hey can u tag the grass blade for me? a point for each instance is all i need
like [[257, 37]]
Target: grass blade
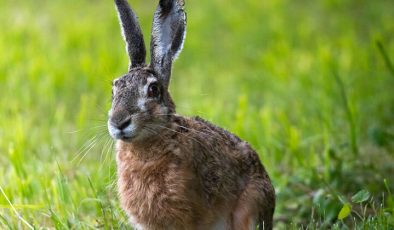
[[15, 211], [349, 114], [386, 57]]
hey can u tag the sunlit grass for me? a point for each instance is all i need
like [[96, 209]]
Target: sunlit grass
[[303, 81]]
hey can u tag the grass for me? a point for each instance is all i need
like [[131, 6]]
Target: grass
[[308, 83]]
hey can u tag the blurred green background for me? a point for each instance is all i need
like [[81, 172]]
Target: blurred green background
[[308, 83]]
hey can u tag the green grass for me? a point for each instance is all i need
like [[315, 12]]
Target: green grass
[[308, 83]]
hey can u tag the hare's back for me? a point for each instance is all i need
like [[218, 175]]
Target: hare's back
[[224, 162]]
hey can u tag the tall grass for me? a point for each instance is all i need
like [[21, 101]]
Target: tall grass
[[303, 81]]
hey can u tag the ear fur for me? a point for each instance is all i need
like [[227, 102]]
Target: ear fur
[[168, 35], [132, 34]]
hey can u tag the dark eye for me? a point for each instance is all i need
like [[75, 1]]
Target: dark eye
[[154, 90]]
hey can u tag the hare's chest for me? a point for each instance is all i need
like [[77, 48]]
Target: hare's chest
[[153, 192]]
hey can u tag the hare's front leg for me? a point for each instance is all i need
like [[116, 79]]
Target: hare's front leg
[[244, 216], [254, 207]]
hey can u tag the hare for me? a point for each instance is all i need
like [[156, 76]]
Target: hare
[[176, 172]]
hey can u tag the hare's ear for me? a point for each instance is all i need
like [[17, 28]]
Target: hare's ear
[[168, 34], [132, 34]]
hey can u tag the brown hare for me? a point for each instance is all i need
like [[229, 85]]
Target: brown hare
[[176, 172]]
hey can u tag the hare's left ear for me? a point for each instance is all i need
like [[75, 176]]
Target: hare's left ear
[[168, 35], [132, 34]]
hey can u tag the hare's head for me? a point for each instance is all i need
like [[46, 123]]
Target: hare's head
[[141, 103]]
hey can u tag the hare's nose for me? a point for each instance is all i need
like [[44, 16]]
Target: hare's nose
[[121, 124]]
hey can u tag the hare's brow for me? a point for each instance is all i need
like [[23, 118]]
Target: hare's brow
[[151, 71]]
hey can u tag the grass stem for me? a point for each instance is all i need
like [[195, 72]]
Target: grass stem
[[15, 211], [386, 57], [349, 114]]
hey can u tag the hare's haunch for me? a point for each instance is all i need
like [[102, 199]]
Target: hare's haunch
[[176, 172]]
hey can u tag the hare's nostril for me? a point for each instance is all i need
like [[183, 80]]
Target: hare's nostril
[[123, 124]]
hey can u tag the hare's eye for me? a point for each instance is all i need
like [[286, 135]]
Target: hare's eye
[[153, 90]]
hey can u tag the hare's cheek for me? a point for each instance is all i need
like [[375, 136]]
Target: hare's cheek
[[162, 110], [141, 103], [154, 109]]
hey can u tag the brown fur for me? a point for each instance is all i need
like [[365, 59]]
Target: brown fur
[[176, 172], [190, 175]]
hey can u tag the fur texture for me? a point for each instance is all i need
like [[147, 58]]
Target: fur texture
[[176, 172], [191, 175], [131, 33]]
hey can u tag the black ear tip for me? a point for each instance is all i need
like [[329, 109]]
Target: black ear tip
[[166, 4]]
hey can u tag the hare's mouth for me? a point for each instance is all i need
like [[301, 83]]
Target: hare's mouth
[[126, 132]]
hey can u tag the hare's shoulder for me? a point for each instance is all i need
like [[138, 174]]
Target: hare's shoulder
[[214, 143], [200, 128], [208, 135], [212, 140], [222, 160]]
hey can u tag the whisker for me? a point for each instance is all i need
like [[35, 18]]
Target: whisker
[[93, 141], [86, 152], [111, 176], [110, 149], [201, 132], [181, 134], [84, 146], [205, 144], [101, 120], [150, 129], [103, 150], [193, 130], [102, 109], [88, 129], [107, 149]]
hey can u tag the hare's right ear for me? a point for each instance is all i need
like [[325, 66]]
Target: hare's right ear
[[132, 34], [168, 35]]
